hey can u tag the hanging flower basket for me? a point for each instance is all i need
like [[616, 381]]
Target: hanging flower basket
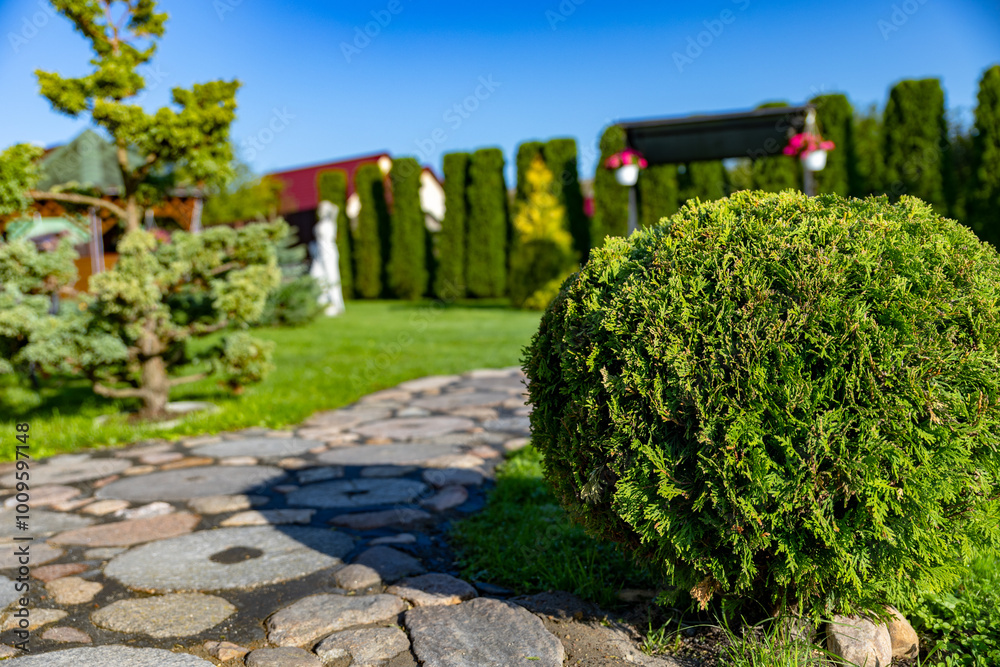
[[810, 148], [626, 164]]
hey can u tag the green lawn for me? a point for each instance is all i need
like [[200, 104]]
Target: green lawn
[[327, 364]]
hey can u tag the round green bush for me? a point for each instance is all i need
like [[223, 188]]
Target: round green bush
[[783, 399]]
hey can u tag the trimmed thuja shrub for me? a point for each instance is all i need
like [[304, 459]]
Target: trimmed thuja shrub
[[486, 249], [332, 186], [368, 238], [984, 205], [407, 268], [449, 281], [782, 399], [610, 198], [561, 158]]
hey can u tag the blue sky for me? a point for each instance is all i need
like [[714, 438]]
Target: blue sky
[[445, 76]]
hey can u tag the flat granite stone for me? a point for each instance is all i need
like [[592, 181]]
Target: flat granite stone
[[67, 635], [73, 590], [357, 493], [381, 455], [223, 504], [40, 553], [282, 657], [49, 573], [401, 538], [414, 427], [434, 589], [69, 470], [481, 633], [356, 577], [194, 482], [229, 558], [177, 615], [42, 496], [312, 475], [452, 476], [102, 507], [303, 622], [400, 516], [270, 518], [446, 402], [386, 471], [428, 383], [518, 425], [259, 447], [8, 595], [158, 508], [389, 563], [41, 523], [109, 656], [345, 419], [367, 647], [36, 619], [447, 498], [127, 533]]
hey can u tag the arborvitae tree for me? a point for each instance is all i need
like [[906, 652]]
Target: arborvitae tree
[[486, 248], [916, 141], [959, 172], [192, 141], [331, 185], [543, 254], [705, 180], [984, 201], [835, 118], [865, 164], [776, 172], [610, 198], [449, 281], [368, 238], [561, 158], [526, 153], [658, 193], [407, 269]]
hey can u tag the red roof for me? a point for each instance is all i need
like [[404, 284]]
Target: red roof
[[300, 184]]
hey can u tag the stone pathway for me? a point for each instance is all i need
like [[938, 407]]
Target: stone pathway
[[322, 545]]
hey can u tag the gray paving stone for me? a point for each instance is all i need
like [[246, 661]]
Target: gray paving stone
[[67, 635], [7, 593], [449, 476], [433, 589], [259, 447], [386, 471], [357, 493], [303, 622], [36, 619], [178, 615], [102, 553], [429, 382], [389, 563], [127, 533], [447, 498], [414, 427], [356, 577], [69, 470], [283, 517], [517, 425], [399, 516], [42, 496], [481, 633], [344, 419], [109, 656], [40, 553], [41, 524], [367, 647], [229, 558], [378, 455], [402, 538], [102, 507], [446, 402], [223, 504], [282, 657], [312, 475], [158, 508], [187, 483]]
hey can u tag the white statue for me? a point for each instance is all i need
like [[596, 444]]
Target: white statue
[[326, 260]]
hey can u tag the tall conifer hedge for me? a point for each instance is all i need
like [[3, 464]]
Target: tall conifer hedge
[[449, 281], [835, 117], [610, 198], [658, 193], [407, 270], [561, 159], [916, 142], [486, 248], [984, 201], [368, 239]]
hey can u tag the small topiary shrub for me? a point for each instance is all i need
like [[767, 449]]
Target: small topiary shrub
[[786, 399]]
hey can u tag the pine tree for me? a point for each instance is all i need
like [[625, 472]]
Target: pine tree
[[984, 201], [407, 268], [449, 281], [331, 185], [658, 193], [561, 158], [368, 238], [835, 119], [610, 198], [916, 141], [543, 252], [865, 164], [486, 248]]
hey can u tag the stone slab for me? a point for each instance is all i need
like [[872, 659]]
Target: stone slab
[[303, 622], [109, 656], [357, 493], [400, 516], [43, 496], [41, 523], [40, 553], [194, 482], [389, 563], [271, 555], [67, 635], [178, 615], [223, 504], [127, 533], [259, 447], [356, 577], [380, 455], [285, 517], [8, 595], [414, 427], [434, 589], [73, 590], [450, 401], [366, 647], [69, 470], [282, 657], [481, 633]]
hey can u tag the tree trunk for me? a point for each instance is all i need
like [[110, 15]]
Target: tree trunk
[[132, 213], [155, 387]]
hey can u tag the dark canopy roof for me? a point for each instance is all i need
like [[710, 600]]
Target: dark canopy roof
[[751, 134]]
